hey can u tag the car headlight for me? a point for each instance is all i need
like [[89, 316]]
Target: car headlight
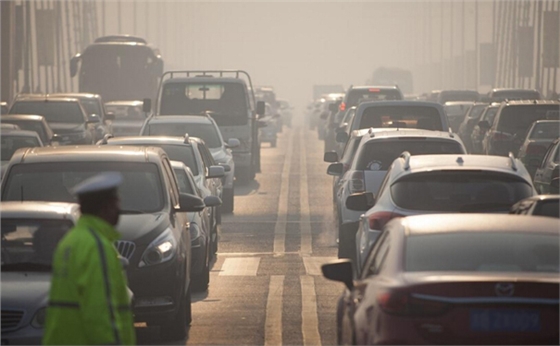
[[39, 318], [161, 250], [194, 230]]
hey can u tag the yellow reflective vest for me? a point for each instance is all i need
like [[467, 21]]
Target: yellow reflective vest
[[88, 301]]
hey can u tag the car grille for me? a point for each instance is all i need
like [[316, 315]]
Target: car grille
[[125, 248], [11, 318]]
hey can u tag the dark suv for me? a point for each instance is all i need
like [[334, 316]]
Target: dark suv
[[153, 224], [66, 117]]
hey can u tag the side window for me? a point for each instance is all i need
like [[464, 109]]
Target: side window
[[207, 163], [207, 155], [383, 183], [374, 252], [546, 157], [173, 188]]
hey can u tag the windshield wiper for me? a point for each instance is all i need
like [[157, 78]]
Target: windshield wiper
[[26, 266], [485, 207]]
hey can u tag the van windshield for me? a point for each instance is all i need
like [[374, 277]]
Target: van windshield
[[226, 102]]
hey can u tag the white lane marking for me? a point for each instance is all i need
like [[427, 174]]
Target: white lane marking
[[273, 323], [313, 264], [306, 246], [280, 227], [242, 266], [309, 319]]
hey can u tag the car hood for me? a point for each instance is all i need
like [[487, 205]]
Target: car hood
[[66, 127], [25, 290], [219, 154], [135, 226]]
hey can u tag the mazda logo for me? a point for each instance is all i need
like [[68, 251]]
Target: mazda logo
[[504, 289]]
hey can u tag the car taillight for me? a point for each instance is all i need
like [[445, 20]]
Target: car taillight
[[535, 149], [342, 106], [500, 136], [379, 219], [357, 183], [402, 303]]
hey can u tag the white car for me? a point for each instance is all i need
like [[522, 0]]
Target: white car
[[378, 148], [428, 184]]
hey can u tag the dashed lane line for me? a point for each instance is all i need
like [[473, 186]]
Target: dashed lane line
[[273, 323], [306, 246], [309, 320], [280, 227]]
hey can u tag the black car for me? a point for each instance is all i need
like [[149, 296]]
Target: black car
[[153, 224]]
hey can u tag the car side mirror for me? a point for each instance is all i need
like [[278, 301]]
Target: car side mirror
[[216, 172], [94, 119], [341, 137], [147, 105], [330, 156], [341, 128], [233, 143], [335, 169], [212, 201], [260, 108], [360, 201], [227, 167], [56, 138], [190, 203], [340, 270], [74, 65], [158, 64], [484, 124], [110, 116]]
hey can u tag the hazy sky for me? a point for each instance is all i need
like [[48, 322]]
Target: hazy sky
[[293, 45]]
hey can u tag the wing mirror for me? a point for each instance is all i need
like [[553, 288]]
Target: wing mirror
[[227, 167], [341, 137], [335, 169], [110, 116], [212, 201], [233, 143], [339, 270], [360, 201], [190, 203], [330, 156], [216, 172]]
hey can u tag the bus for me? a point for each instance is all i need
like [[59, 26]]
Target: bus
[[118, 67]]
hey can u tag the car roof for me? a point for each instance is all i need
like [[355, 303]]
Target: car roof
[[369, 104], [384, 133], [40, 210], [175, 119], [45, 98], [30, 117], [76, 95], [205, 79], [125, 103], [458, 103], [464, 222], [530, 102], [547, 122], [67, 153], [513, 89], [540, 198], [149, 140], [19, 133], [364, 87]]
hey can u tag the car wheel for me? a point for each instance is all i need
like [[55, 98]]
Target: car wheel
[[200, 282], [227, 201], [176, 329]]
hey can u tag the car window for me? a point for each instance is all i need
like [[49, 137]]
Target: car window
[[377, 256], [207, 132], [547, 130], [377, 155], [30, 126], [552, 150], [459, 191], [126, 112], [183, 153], [357, 96], [184, 182], [483, 252], [172, 181], [548, 208], [490, 114], [91, 106], [53, 111], [350, 150], [422, 117], [9, 144], [518, 119]]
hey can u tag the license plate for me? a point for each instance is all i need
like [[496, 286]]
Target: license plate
[[494, 320]]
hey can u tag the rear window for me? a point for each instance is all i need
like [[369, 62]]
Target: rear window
[[126, 112], [357, 96], [182, 153], [420, 117], [54, 112], [483, 252], [518, 119], [516, 95], [548, 130], [459, 191], [226, 101], [185, 185], [456, 110], [446, 96], [30, 126], [378, 155], [9, 144], [207, 132], [548, 208]]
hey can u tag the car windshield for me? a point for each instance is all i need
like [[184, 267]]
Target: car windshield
[[421, 117], [226, 102], [185, 185], [28, 244], [207, 132], [91, 106], [548, 208], [516, 95], [547, 130], [126, 112], [142, 189], [53, 111], [483, 252], [518, 119], [456, 110], [357, 96], [459, 191], [9, 144], [379, 155]]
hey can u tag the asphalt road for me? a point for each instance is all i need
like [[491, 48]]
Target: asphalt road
[[266, 286]]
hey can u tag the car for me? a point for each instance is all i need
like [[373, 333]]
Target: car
[[36, 123], [429, 184], [344, 126], [65, 116], [540, 135], [204, 127], [503, 94], [512, 122], [469, 122], [478, 134], [454, 279], [129, 117], [195, 155], [443, 96], [3, 108], [200, 227], [546, 177], [375, 153], [329, 107], [153, 224], [541, 205], [456, 111], [286, 112], [12, 140], [30, 233], [397, 114], [269, 126]]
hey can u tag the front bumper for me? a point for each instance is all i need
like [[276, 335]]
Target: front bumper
[[26, 335]]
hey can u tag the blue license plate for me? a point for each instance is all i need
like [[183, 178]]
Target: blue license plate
[[505, 320]]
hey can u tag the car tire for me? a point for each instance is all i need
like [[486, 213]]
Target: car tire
[[228, 201], [200, 282], [176, 329]]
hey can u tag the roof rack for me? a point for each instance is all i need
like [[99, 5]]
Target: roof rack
[[451, 135], [512, 159], [105, 139], [186, 140], [371, 133], [406, 156]]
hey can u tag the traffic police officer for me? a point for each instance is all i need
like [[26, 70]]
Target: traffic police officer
[[89, 302]]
